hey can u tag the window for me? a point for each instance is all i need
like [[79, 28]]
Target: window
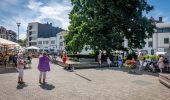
[[30, 38], [165, 49], [51, 49], [30, 27], [39, 42], [166, 40], [34, 38], [43, 42], [53, 42], [47, 42], [30, 33], [61, 43], [163, 30], [60, 37], [150, 44]]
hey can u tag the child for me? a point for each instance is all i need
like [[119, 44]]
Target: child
[[108, 61], [43, 67], [20, 67], [161, 63]]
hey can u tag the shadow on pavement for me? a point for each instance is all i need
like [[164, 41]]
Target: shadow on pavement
[[47, 86], [21, 86], [8, 70]]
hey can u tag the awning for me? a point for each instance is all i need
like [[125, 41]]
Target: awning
[[32, 47], [161, 53], [7, 43]]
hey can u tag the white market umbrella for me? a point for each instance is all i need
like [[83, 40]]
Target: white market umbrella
[[160, 53], [7, 43], [32, 47]]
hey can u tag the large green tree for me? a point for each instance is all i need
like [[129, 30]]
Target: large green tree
[[103, 24]]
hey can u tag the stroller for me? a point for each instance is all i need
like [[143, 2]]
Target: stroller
[[146, 66]]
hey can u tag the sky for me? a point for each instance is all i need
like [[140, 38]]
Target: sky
[[55, 12]]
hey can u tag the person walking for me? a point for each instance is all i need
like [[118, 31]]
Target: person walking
[[43, 67]]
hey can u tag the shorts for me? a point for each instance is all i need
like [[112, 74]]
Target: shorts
[[21, 72]]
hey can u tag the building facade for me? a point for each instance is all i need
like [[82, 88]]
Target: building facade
[[44, 36], [8, 34], [160, 40]]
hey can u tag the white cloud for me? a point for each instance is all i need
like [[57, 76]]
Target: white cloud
[[34, 5], [53, 10], [34, 10]]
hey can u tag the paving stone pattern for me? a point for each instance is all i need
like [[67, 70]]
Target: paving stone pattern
[[85, 84]]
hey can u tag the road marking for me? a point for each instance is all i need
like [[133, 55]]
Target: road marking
[[83, 77]]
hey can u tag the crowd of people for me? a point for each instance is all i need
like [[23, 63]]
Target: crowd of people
[[11, 58], [22, 60], [161, 63]]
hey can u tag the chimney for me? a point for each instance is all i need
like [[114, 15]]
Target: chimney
[[160, 19]]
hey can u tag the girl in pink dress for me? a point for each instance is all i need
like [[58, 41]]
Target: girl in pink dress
[[20, 68], [161, 63]]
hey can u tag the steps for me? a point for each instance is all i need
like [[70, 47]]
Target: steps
[[165, 79]]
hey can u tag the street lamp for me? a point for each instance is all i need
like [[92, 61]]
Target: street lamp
[[18, 24]]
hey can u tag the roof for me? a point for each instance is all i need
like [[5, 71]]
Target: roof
[[163, 25]]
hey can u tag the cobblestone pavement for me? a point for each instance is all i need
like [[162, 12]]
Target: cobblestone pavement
[[85, 84]]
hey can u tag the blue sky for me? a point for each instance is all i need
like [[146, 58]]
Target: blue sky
[[161, 9], [54, 11], [25, 11]]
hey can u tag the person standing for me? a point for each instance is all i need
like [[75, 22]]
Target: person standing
[[108, 61], [64, 57], [20, 68], [120, 61], [141, 61], [161, 63], [99, 58], [43, 67], [29, 60]]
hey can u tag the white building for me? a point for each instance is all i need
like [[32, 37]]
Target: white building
[[159, 41], [60, 41], [45, 36], [47, 44], [161, 37]]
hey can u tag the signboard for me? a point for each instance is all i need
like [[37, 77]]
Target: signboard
[[160, 50]]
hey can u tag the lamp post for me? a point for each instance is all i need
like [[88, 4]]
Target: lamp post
[[18, 24]]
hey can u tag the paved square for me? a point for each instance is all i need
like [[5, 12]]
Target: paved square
[[85, 84]]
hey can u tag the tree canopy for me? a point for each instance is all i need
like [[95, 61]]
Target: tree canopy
[[22, 42], [103, 24]]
